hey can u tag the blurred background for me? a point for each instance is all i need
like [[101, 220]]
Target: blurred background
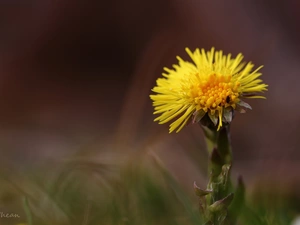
[[75, 79]]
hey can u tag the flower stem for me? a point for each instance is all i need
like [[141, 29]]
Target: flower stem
[[216, 202]]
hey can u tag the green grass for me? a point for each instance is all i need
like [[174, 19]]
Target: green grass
[[91, 191]]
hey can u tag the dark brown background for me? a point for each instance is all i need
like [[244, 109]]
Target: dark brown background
[[75, 73]]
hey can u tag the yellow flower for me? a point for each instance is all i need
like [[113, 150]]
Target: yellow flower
[[213, 84]]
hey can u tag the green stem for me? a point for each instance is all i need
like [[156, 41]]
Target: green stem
[[220, 159], [211, 137], [219, 149], [224, 144]]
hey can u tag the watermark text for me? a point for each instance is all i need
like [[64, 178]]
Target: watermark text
[[9, 215]]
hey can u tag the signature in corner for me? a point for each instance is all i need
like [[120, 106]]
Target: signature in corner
[[9, 215]]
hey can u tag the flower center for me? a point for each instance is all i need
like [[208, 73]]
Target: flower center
[[214, 92]]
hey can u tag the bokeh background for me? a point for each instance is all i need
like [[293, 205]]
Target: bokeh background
[[75, 79]]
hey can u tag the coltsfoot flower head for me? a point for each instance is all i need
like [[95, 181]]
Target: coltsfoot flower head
[[213, 84]]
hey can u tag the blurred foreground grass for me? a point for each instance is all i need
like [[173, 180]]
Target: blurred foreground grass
[[121, 189]]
